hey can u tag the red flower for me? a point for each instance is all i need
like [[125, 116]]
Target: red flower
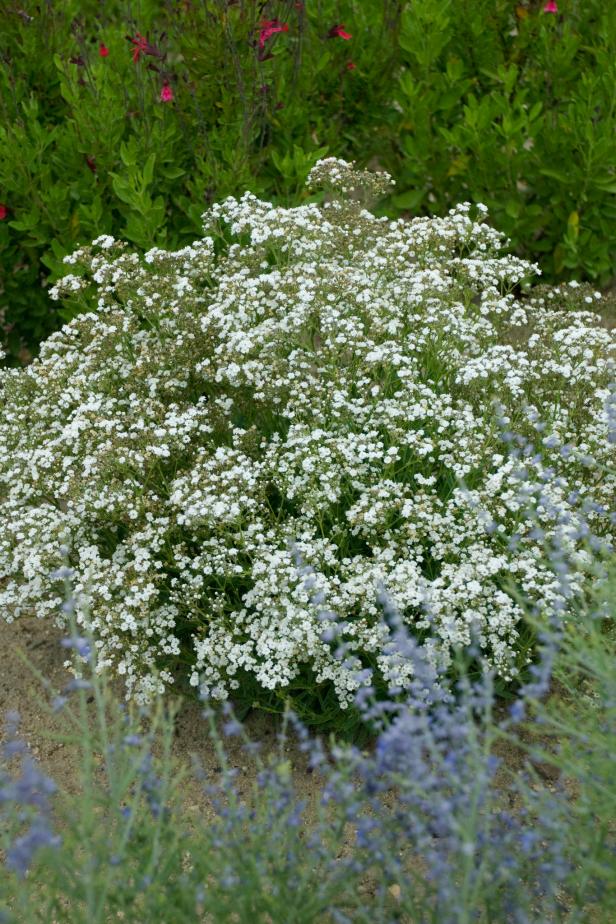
[[142, 46], [270, 27], [103, 51], [339, 32], [91, 162], [3, 211], [166, 94], [350, 65]]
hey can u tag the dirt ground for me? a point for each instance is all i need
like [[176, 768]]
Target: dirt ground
[[21, 690]]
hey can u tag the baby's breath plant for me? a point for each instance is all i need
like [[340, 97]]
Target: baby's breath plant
[[312, 383]]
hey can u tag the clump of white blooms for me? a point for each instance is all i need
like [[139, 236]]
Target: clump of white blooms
[[342, 177], [312, 384]]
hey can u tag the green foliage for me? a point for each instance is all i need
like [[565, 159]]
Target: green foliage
[[89, 147], [481, 100], [514, 107]]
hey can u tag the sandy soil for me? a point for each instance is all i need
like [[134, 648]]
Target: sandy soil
[[21, 690]]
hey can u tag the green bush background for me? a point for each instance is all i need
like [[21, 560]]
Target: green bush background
[[486, 100]]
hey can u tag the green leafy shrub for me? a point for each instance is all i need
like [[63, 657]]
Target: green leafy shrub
[[89, 147], [310, 383], [516, 107], [482, 101]]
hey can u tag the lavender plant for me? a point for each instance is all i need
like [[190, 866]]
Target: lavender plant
[[94, 853], [423, 826], [30, 792], [317, 379]]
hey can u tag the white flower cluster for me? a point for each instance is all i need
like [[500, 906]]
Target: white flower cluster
[[334, 173], [311, 382]]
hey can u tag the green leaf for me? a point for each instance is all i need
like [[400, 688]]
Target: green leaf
[[554, 174], [128, 153], [409, 199], [322, 62], [171, 173], [123, 189], [27, 222], [148, 170], [608, 186]]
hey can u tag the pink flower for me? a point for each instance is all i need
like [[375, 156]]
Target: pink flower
[[270, 27], [3, 211], [551, 7], [166, 94], [339, 32], [103, 51]]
